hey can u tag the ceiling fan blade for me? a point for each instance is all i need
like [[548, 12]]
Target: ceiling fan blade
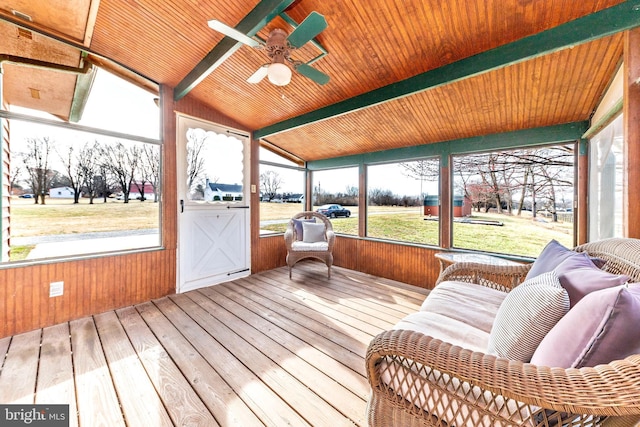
[[260, 74], [312, 73], [233, 33], [312, 25]]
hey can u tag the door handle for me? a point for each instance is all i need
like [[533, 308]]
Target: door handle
[[237, 207], [181, 205]]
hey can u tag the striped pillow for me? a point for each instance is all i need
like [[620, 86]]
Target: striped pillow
[[526, 315]]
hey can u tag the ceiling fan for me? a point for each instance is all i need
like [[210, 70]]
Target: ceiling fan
[[278, 46]]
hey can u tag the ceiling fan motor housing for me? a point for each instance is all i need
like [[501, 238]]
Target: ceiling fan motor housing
[[277, 46]]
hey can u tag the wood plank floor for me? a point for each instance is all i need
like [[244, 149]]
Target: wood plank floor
[[263, 350]]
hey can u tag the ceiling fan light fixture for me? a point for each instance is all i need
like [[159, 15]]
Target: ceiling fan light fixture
[[279, 74]]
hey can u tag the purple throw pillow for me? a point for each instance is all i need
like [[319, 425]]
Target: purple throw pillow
[[297, 225], [580, 276], [552, 255], [601, 328]]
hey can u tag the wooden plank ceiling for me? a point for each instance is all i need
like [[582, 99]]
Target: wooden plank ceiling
[[371, 44]]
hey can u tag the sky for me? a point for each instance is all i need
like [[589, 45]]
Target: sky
[[227, 169], [113, 104], [119, 105], [387, 177]]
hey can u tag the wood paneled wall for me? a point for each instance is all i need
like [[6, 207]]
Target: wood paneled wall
[[267, 252], [91, 286], [95, 285], [409, 264], [5, 188]]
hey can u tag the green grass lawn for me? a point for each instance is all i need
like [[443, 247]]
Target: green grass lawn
[[61, 216], [517, 235]]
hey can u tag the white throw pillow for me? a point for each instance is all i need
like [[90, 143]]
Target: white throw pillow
[[312, 233], [526, 315]]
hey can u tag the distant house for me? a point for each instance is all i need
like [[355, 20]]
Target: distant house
[[215, 191], [293, 198], [61, 193], [134, 192]]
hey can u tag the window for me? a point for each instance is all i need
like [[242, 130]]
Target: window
[[282, 188], [403, 200], [338, 187], [212, 177], [514, 201], [87, 187], [606, 182]]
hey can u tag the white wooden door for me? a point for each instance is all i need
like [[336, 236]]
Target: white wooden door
[[213, 216]]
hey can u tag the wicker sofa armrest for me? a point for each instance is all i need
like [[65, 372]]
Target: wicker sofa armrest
[[497, 277], [606, 390]]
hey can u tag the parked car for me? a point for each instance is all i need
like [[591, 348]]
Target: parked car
[[333, 211], [27, 196]]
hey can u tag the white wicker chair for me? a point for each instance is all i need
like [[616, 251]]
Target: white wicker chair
[[297, 249]]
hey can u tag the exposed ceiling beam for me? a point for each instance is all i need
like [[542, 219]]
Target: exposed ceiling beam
[[608, 21], [84, 82], [499, 141], [260, 16]]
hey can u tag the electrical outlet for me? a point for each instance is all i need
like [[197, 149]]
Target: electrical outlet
[[56, 289]]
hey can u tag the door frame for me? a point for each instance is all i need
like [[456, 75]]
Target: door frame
[[183, 122]]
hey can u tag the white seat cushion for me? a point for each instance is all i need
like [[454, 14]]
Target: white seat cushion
[[304, 246], [461, 314], [472, 304], [446, 329]]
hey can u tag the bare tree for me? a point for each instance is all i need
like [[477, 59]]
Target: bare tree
[[150, 167], [36, 161], [141, 182], [380, 197], [534, 172], [122, 164], [195, 159], [546, 170], [104, 186], [270, 183], [73, 171], [87, 159], [14, 175], [489, 176], [422, 169]]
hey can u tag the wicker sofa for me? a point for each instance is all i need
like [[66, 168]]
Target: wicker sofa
[[419, 378]]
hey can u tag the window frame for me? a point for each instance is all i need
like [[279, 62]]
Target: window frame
[[368, 166], [312, 199], [568, 133], [275, 164], [11, 116], [575, 195]]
